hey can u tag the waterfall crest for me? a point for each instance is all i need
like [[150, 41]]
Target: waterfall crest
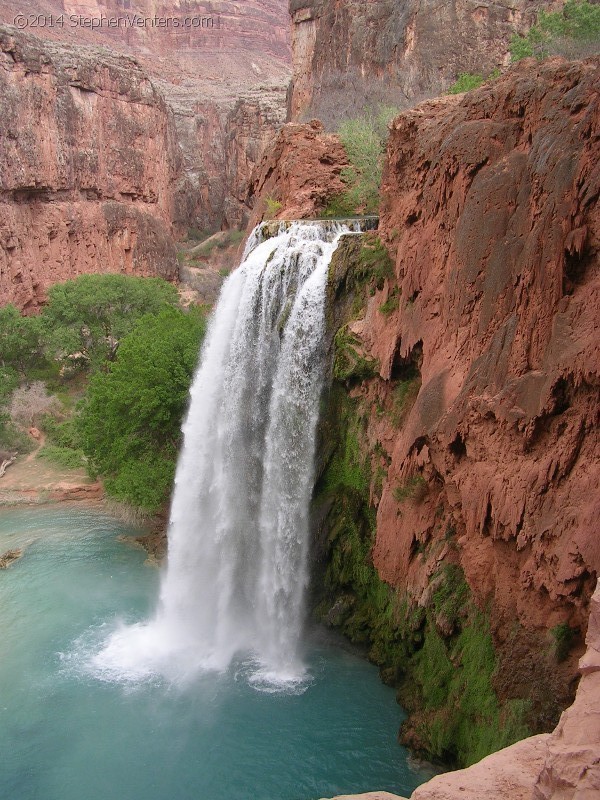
[[238, 528]]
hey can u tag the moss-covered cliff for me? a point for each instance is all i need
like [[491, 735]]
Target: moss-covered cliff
[[438, 652]]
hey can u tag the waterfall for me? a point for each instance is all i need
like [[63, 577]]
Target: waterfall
[[239, 528]]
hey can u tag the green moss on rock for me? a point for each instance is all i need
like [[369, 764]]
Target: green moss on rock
[[349, 363], [439, 653]]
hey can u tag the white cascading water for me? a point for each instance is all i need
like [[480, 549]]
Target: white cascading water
[[238, 530]]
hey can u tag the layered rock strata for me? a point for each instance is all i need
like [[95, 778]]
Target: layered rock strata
[[88, 168], [349, 55], [222, 68]]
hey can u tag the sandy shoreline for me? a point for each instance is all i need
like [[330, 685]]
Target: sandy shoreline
[[34, 481]]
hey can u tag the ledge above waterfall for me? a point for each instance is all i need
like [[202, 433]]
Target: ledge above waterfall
[[276, 226]]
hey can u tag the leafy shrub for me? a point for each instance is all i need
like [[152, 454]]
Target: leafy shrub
[[9, 380], [374, 262], [405, 394], [391, 304], [364, 139], [339, 207], [87, 317], [272, 207], [452, 593], [62, 433], [12, 437], [563, 636], [20, 340], [218, 241], [197, 235], [465, 82], [63, 456], [574, 31], [349, 364], [130, 421]]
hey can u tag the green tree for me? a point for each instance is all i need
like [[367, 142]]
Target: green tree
[[86, 318], [130, 421], [20, 340]]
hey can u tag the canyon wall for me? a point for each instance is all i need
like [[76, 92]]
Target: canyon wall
[[349, 55], [119, 139], [221, 143], [225, 81], [163, 28], [456, 504], [483, 417], [490, 212], [88, 168]]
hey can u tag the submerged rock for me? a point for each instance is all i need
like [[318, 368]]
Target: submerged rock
[[6, 559]]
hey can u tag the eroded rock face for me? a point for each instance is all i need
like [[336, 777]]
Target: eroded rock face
[[490, 210], [222, 68], [349, 55], [222, 143], [88, 166], [490, 213], [300, 171]]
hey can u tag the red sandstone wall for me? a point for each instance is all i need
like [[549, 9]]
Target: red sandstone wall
[[88, 165], [490, 211]]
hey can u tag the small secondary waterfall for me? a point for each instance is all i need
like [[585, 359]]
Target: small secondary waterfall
[[238, 530]]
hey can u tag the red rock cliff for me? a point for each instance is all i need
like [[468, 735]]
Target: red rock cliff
[[225, 82], [348, 55], [88, 166], [490, 211]]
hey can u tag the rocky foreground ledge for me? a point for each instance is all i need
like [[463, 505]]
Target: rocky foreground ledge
[[562, 765]]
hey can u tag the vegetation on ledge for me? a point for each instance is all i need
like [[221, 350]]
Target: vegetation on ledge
[[574, 32], [364, 139]]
